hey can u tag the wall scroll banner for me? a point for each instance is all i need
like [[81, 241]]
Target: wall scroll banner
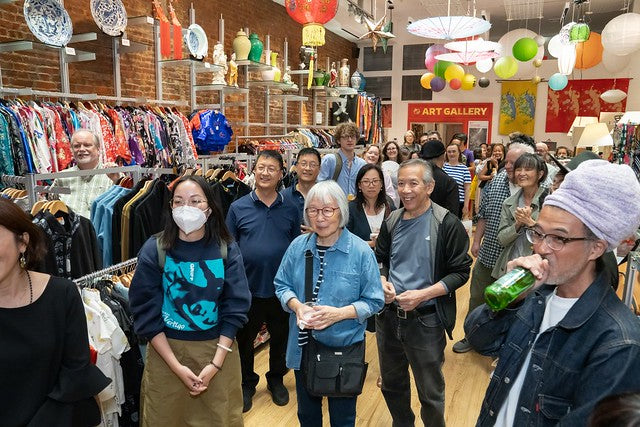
[[581, 98], [518, 107]]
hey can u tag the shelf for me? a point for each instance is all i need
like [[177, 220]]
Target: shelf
[[299, 72], [254, 66], [208, 107], [128, 46], [83, 37], [201, 67], [139, 20], [70, 54], [270, 84], [290, 97], [235, 104], [223, 88]]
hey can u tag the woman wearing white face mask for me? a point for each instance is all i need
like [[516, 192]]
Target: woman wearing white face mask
[[189, 296]]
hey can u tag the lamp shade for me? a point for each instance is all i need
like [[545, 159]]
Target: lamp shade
[[630, 117], [567, 59], [621, 35], [612, 96], [581, 121], [595, 135], [579, 33]]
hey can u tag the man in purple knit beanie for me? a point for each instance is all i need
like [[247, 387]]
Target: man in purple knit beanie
[[569, 341]]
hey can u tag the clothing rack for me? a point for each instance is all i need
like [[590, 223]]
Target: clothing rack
[[120, 267], [30, 185], [209, 161], [633, 266]]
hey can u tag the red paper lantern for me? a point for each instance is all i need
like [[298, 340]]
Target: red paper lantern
[[312, 14]]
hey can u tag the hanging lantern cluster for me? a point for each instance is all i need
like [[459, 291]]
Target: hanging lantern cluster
[[312, 14]]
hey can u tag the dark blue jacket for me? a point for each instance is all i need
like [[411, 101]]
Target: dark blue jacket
[[358, 223], [593, 352]]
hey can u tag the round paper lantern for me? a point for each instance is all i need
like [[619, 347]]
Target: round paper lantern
[[437, 84], [558, 81], [483, 82], [425, 80], [455, 84], [505, 67], [614, 63], [312, 15], [537, 63], [468, 82], [565, 32], [506, 42], [453, 72], [554, 46], [441, 67], [589, 53], [535, 80], [567, 59], [525, 49], [431, 53], [579, 33], [484, 65], [613, 95], [621, 35], [539, 40]]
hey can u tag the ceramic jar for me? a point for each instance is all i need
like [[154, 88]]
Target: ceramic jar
[[256, 48], [318, 78], [241, 46], [344, 73], [356, 80], [277, 74]]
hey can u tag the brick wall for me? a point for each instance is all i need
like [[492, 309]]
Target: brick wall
[[39, 69]]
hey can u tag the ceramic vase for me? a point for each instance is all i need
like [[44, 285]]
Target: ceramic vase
[[344, 73], [356, 79], [256, 48], [277, 74], [241, 46], [318, 78]]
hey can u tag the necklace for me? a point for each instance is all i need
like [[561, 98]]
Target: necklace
[[30, 287]]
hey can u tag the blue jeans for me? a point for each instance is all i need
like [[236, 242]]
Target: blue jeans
[[417, 341], [342, 410]]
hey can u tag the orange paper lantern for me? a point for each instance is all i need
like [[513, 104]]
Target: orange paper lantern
[[589, 53]]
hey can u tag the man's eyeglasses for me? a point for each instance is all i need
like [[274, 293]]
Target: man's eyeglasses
[[553, 241], [195, 203], [326, 212], [310, 165], [270, 170], [370, 182]]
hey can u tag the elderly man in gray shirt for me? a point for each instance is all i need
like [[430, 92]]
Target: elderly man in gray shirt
[[423, 251]]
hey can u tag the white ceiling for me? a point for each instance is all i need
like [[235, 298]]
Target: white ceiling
[[541, 16]]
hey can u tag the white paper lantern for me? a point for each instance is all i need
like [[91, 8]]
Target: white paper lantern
[[540, 40], [614, 63], [484, 66], [621, 35], [567, 59], [613, 95], [554, 46]]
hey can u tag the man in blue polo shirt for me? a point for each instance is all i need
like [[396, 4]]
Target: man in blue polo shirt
[[345, 169], [264, 224], [308, 168]]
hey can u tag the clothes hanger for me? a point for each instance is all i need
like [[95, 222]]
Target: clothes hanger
[[37, 207], [57, 206]]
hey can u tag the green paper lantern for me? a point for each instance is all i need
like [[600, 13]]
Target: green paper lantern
[[525, 49], [579, 33], [441, 67], [506, 67]]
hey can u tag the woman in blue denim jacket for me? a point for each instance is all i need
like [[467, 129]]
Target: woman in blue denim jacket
[[346, 291]]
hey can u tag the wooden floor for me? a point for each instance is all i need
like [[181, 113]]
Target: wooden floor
[[466, 377]]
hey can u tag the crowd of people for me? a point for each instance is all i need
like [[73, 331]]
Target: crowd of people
[[381, 240]]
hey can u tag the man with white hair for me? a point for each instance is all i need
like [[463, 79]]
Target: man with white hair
[[569, 341], [485, 245], [542, 150], [85, 148]]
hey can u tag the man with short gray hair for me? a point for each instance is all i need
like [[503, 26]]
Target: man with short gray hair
[[85, 148], [423, 251], [485, 245]]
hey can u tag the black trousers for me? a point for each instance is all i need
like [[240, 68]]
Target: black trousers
[[269, 311]]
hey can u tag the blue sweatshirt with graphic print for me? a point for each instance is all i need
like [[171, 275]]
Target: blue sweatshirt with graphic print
[[197, 297]]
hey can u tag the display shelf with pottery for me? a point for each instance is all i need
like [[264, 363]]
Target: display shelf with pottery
[[289, 97], [268, 83], [200, 67], [253, 66], [223, 88], [299, 72], [69, 54]]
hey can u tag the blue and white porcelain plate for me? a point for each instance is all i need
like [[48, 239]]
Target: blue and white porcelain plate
[[197, 42], [48, 21], [110, 16]]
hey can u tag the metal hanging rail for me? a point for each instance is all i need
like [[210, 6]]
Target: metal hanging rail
[[123, 266]]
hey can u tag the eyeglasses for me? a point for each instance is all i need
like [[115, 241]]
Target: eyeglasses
[[310, 165], [270, 169], [326, 212], [370, 182], [555, 242], [193, 203]]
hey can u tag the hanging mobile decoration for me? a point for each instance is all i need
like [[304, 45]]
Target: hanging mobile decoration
[[376, 31], [312, 14], [177, 32], [165, 29], [388, 27]]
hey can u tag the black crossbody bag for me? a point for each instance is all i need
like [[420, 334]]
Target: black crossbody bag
[[331, 371]]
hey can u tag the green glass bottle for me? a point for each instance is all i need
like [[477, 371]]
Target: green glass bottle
[[507, 288]]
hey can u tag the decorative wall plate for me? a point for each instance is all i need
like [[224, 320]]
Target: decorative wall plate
[[197, 42], [48, 21], [110, 16]]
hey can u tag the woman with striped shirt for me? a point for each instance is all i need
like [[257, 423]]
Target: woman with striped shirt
[[460, 174]]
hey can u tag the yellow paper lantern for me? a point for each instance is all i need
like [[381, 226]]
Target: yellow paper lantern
[[425, 80], [506, 67], [468, 82], [453, 71]]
